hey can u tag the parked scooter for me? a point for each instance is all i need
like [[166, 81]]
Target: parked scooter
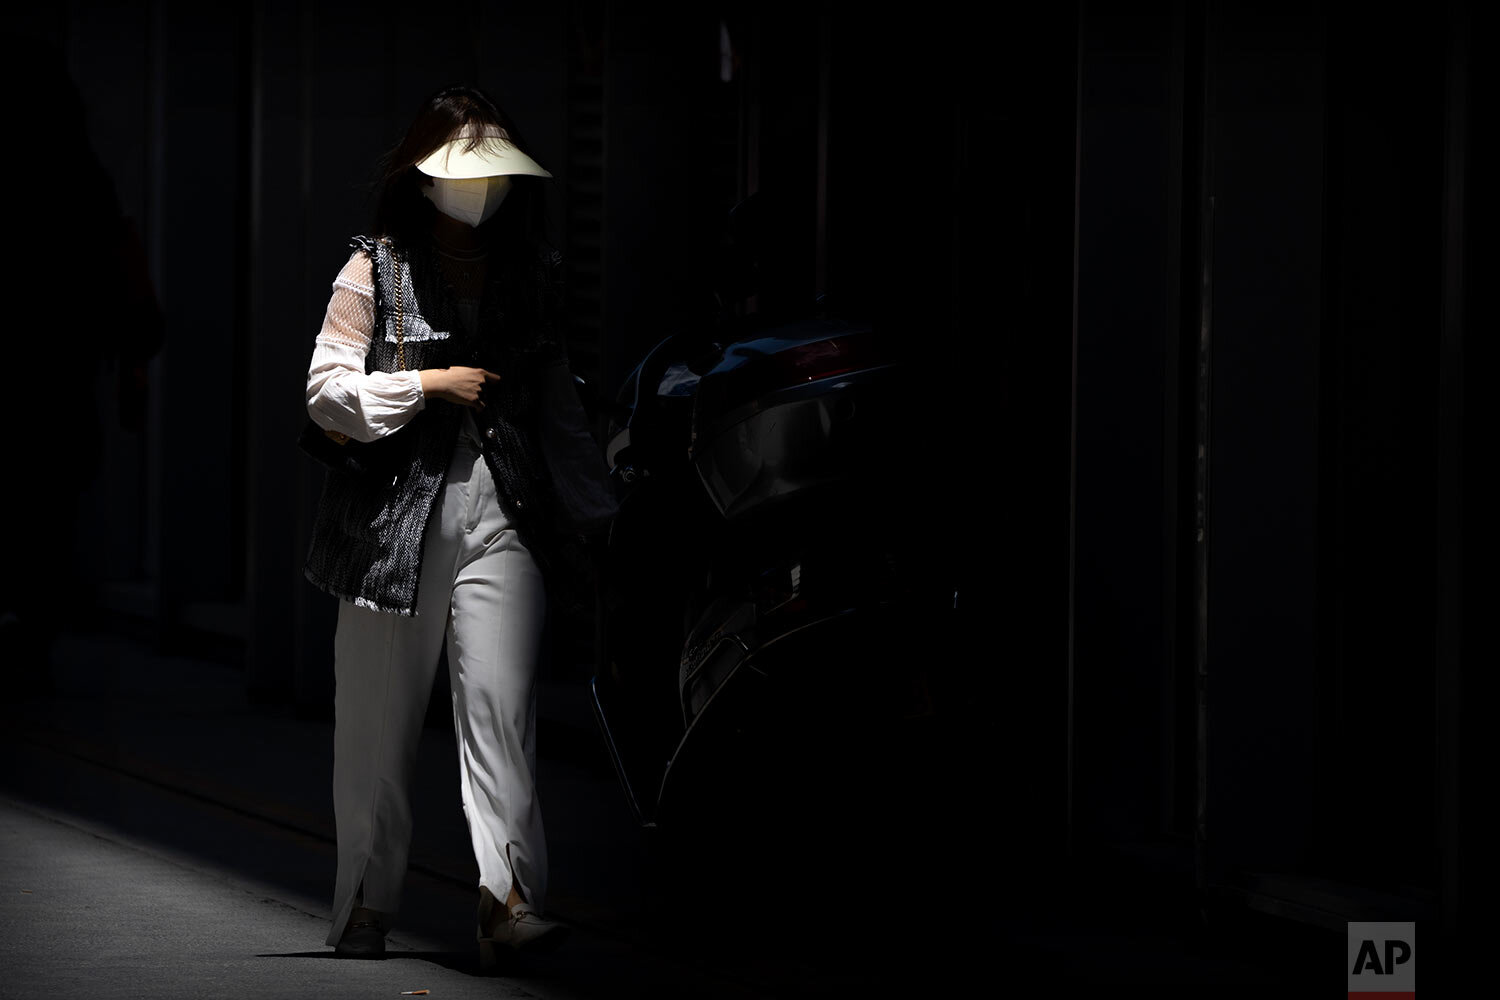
[[769, 624]]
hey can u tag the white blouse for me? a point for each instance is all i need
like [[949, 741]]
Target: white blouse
[[342, 396]]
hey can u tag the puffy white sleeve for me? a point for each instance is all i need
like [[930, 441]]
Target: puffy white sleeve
[[341, 396]]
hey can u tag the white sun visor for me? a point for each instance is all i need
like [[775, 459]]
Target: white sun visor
[[494, 156]]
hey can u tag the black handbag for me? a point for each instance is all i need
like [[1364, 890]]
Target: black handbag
[[379, 459]]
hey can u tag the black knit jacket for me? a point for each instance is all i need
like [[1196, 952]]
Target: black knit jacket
[[367, 535]]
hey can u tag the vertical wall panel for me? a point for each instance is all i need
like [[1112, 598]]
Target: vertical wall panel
[[1122, 337], [201, 219], [108, 51]]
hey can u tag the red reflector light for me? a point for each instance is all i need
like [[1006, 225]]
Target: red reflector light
[[807, 363], [826, 358]]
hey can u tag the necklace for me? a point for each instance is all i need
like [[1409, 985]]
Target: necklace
[[461, 253], [465, 264]]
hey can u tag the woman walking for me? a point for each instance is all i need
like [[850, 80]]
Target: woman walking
[[462, 464]]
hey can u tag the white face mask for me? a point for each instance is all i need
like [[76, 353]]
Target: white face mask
[[471, 200]]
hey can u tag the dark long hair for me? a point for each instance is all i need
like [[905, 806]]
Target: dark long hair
[[516, 232]]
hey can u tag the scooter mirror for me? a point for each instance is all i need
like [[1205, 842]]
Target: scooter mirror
[[594, 404]]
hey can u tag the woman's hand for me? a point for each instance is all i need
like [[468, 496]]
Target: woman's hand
[[458, 384]]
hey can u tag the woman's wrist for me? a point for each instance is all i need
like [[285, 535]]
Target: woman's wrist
[[432, 380]]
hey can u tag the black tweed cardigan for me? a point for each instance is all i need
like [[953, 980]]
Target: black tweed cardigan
[[367, 535]]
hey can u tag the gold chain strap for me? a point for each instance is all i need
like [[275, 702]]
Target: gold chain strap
[[400, 339]]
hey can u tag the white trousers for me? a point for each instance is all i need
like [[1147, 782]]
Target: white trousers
[[482, 592]]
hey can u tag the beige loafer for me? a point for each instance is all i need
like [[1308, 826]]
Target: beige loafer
[[513, 929]]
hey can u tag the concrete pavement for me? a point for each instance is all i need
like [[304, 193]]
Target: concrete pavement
[[178, 840], [86, 913]]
